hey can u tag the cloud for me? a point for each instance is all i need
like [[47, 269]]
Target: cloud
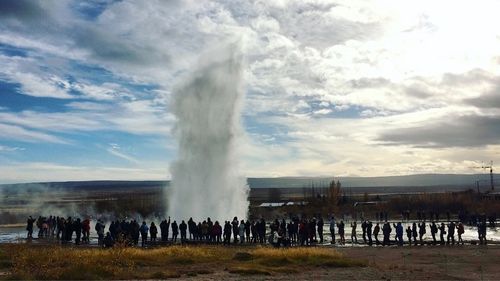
[[114, 149], [35, 86], [456, 131], [12, 132], [487, 101], [22, 9], [4, 148], [329, 83], [48, 171]]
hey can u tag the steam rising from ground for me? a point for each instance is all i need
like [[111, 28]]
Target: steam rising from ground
[[206, 181]]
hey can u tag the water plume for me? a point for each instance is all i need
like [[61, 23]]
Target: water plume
[[206, 181]]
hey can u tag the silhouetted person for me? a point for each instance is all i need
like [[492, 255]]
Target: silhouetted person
[[255, 234], [354, 238], [153, 231], [481, 230], [340, 226], [144, 233], [99, 228], [363, 230], [248, 226], [386, 230], [108, 241], [192, 228], [262, 231], [332, 229], [183, 229], [369, 232], [460, 232], [77, 227], [167, 228], [442, 232], [320, 229], [399, 233], [434, 230], [241, 231], [217, 231], [451, 233], [235, 229], [408, 234], [227, 233], [421, 232], [132, 230], [175, 231], [29, 226], [376, 231], [414, 232]]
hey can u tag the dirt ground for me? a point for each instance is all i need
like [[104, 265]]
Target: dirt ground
[[393, 263]]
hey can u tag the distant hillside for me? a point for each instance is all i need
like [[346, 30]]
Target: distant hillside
[[401, 181], [424, 180]]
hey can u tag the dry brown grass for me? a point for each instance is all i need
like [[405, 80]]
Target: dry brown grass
[[59, 263], [287, 259]]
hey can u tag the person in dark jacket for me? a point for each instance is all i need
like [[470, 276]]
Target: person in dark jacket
[[376, 231], [408, 234], [227, 233], [442, 232], [109, 242], [386, 230], [369, 226], [29, 226], [451, 233], [320, 225], [144, 233], [217, 232], [248, 226], [399, 233], [99, 228], [235, 224], [421, 232], [434, 230], [153, 231], [183, 229], [191, 227], [414, 232], [175, 231], [77, 227]]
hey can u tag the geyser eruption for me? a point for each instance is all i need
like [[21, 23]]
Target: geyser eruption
[[205, 178]]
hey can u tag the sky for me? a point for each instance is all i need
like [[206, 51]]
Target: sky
[[333, 88]]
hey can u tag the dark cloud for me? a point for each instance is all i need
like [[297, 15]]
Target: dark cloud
[[369, 83], [108, 47], [34, 19], [470, 77], [462, 131], [417, 92], [22, 9], [491, 100]]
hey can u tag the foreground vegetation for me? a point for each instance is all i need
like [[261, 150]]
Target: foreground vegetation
[[59, 263]]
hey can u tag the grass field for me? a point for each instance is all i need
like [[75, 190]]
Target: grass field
[[251, 263], [63, 263]]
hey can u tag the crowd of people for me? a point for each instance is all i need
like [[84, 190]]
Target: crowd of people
[[60, 228], [415, 233], [301, 232]]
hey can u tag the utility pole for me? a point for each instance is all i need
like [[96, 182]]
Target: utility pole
[[491, 175], [492, 184]]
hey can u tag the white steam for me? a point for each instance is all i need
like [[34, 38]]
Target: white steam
[[206, 181]]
